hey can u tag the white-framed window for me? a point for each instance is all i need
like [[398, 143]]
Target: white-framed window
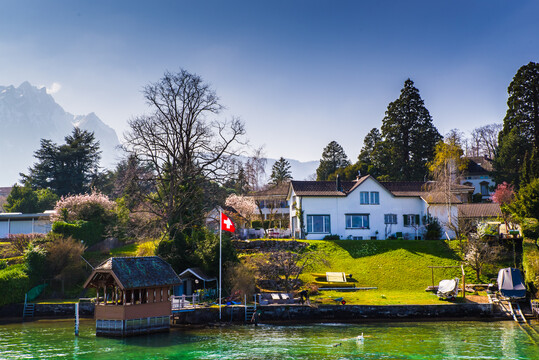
[[375, 198], [318, 224], [484, 188], [357, 221], [372, 198], [364, 198], [390, 218], [411, 219]]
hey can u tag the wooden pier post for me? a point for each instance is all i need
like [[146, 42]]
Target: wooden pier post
[[77, 319]]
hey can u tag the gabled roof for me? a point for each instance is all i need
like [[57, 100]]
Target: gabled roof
[[197, 273], [396, 188], [479, 210], [440, 198], [405, 188], [137, 272], [478, 165], [325, 188], [280, 190]]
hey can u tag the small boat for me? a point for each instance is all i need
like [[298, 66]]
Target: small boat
[[448, 289], [510, 284]]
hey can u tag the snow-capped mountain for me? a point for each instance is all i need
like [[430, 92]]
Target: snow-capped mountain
[[27, 115]]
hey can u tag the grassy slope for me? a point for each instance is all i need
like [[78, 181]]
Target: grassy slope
[[530, 263], [97, 257], [398, 268]]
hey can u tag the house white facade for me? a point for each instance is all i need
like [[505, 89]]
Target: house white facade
[[478, 174], [363, 209], [18, 223]]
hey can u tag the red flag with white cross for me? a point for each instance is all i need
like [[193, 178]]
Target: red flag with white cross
[[227, 224]]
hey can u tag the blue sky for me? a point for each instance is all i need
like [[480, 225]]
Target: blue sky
[[299, 73]]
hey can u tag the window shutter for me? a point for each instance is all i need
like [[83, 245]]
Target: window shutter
[[405, 220], [417, 220]]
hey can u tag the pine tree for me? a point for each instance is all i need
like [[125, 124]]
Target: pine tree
[[68, 168], [409, 136], [520, 133], [280, 172], [333, 158], [369, 161]]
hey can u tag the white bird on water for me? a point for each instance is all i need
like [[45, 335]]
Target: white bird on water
[[360, 338]]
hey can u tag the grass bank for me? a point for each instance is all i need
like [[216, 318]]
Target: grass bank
[[398, 268]]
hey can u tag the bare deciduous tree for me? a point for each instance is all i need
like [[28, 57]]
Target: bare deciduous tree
[[255, 169], [286, 266], [484, 140], [478, 253], [182, 144]]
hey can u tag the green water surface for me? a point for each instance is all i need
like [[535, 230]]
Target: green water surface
[[54, 339]]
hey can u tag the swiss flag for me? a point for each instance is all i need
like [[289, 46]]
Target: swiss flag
[[227, 224]]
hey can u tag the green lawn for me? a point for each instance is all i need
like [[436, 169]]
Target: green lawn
[[394, 265], [398, 268], [97, 257]]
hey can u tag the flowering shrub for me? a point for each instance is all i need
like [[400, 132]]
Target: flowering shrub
[[88, 207], [244, 205], [504, 194]]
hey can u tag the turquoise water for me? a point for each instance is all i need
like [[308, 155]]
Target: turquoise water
[[398, 340]]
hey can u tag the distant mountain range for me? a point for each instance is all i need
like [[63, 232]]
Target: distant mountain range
[[28, 114], [300, 170]]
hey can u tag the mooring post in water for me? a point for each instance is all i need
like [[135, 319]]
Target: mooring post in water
[[77, 319]]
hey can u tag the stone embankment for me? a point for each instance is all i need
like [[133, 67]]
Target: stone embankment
[[277, 313], [86, 309], [255, 246], [349, 313]]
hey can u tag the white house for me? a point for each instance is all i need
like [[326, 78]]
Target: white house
[[272, 201], [368, 209], [18, 223], [478, 174]]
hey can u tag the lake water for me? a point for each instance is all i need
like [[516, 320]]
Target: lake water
[[54, 339]]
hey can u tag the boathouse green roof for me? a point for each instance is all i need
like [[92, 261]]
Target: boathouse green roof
[[136, 272]]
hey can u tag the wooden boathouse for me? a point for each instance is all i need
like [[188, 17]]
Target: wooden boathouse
[[132, 295]]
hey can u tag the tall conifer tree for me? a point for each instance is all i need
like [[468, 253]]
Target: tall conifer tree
[[333, 158], [520, 133], [409, 136]]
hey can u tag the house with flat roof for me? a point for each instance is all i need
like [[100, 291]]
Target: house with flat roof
[[19, 223]]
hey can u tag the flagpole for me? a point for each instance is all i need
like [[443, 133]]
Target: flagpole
[[220, 237]]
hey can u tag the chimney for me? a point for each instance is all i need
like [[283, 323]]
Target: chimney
[[358, 175], [338, 183]]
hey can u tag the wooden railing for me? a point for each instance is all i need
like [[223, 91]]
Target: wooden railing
[[535, 307], [184, 302]]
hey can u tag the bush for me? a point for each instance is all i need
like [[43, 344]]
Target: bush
[[530, 264], [14, 283], [20, 242], [332, 237], [530, 228], [434, 230], [3, 264], [147, 248], [64, 261], [93, 214], [258, 224], [87, 231], [35, 261]]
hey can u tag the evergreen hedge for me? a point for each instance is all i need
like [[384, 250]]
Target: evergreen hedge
[[88, 231], [14, 283]]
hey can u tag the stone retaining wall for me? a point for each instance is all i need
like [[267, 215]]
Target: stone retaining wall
[[340, 313], [86, 309]]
